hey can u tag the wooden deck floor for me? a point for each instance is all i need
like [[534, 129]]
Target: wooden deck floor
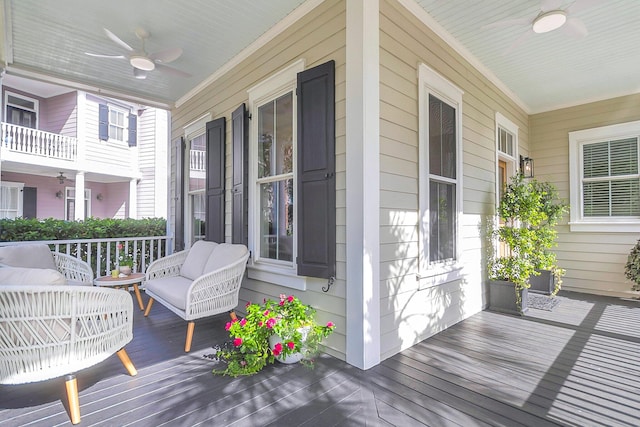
[[578, 365]]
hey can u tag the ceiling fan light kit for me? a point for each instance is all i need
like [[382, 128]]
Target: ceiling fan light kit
[[141, 62], [549, 21]]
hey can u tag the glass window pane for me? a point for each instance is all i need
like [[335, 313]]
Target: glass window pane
[[284, 134], [442, 138], [198, 216], [442, 221], [624, 157], [276, 220], [596, 160], [265, 139], [197, 163], [625, 197]]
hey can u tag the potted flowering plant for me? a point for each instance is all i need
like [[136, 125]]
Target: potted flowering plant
[[285, 330], [125, 261]]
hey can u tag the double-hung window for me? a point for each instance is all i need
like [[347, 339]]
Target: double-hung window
[[11, 200], [440, 177], [605, 178], [117, 123]]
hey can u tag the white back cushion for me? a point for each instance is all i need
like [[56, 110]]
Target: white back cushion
[[223, 255], [196, 259], [29, 256], [31, 276]]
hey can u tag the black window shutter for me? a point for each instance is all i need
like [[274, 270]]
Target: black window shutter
[[133, 130], [316, 193], [180, 147], [240, 212], [214, 226], [103, 122], [29, 202]]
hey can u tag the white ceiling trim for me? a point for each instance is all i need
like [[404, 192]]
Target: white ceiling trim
[[5, 18], [419, 12], [274, 31]]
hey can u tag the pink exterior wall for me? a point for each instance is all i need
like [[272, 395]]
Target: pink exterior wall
[[58, 114], [114, 203]]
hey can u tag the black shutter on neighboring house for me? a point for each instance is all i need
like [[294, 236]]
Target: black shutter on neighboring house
[[103, 122], [316, 195], [29, 202], [133, 130], [239, 217], [179, 147], [214, 226]]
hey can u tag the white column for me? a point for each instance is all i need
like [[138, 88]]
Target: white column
[[133, 199], [363, 183], [79, 212]]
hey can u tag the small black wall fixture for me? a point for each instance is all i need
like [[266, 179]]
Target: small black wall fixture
[[526, 167], [59, 194]]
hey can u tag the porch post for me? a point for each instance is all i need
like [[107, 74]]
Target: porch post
[[133, 199], [363, 183], [79, 198]]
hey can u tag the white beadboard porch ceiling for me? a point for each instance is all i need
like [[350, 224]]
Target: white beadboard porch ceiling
[[47, 40]]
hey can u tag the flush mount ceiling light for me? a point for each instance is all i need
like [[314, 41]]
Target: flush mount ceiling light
[[143, 63], [549, 21]]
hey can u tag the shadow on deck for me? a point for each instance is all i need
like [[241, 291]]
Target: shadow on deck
[[578, 365]]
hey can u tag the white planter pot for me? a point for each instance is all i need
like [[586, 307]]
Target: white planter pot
[[294, 357]]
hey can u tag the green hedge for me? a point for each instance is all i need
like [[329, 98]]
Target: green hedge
[[19, 230]]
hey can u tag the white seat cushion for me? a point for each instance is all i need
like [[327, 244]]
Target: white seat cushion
[[31, 276], [196, 259], [27, 255], [171, 289]]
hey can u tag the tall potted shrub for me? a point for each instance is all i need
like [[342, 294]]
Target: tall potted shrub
[[529, 211]]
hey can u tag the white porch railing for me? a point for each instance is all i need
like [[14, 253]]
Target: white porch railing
[[103, 254], [36, 142], [197, 160]]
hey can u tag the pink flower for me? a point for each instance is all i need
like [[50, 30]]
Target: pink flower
[[260, 323], [290, 299], [248, 304], [243, 363], [266, 313], [291, 345], [227, 326], [271, 323], [234, 320], [281, 303], [330, 325], [277, 349], [237, 342], [282, 297], [243, 322], [120, 246]]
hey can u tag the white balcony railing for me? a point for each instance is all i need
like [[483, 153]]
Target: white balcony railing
[[197, 160], [102, 254], [35, 142]]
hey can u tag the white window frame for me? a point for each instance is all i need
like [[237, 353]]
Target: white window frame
[[87, 200], [577, 140], [19, 200], [512, 160], [272, 271], [431, 82], [192, 130], [36, 105], [125, 128]]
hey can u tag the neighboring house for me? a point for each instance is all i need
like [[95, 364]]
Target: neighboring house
[[422, 140], [58, 143]]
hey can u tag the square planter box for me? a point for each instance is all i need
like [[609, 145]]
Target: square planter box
[[502, 297], [545, 283]]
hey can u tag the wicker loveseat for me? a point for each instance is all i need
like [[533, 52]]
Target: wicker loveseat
[[198, 282], [50, 331], [38, 255]]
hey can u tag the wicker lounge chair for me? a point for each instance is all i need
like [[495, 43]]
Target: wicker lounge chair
[[49, 331], [198, 282]]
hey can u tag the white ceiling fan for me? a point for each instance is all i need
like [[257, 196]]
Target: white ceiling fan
[[141, 61], [551, 17]]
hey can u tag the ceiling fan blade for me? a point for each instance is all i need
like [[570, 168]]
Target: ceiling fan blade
[[117, 40], [507, 23], [173, 71], [575, 28], [166, 56], [549, 5], [97, 55], [519, 41]]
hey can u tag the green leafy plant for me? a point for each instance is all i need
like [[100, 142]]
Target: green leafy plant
[[249, 350], [632, 268], [124, 259], [529, 210]]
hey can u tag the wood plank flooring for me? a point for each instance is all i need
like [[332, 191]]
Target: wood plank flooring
[[578, 365]]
